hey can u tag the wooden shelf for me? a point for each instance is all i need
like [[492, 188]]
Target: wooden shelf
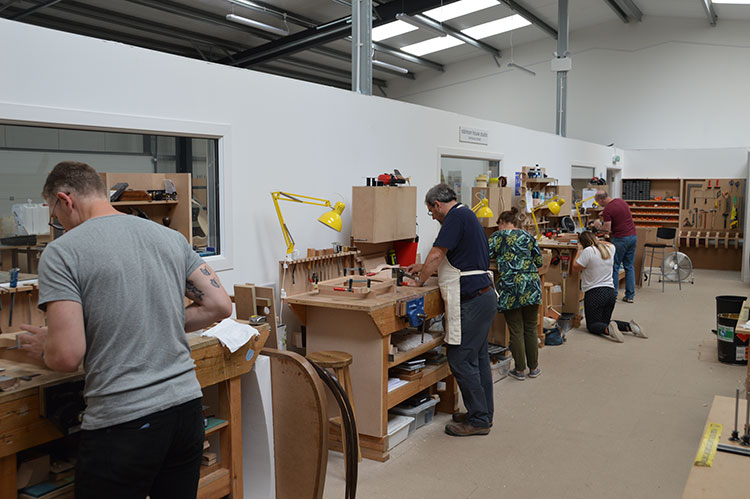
[[638, 220], [142, 203], [430, 376], [215, 424], [650, 207], [546, 180], [650, 201], [415, 352]]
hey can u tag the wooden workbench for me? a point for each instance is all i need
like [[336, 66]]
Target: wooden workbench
[[362, 327], [727, 478], [22, 426]]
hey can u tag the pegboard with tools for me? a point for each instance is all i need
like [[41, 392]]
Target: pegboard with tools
[[302, 274], [715, 205]]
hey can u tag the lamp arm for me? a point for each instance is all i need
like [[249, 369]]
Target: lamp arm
[[299, 198], [284, 229], [578, 209]]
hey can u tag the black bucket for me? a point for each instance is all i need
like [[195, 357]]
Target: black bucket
[[728, 304], [732, 347]]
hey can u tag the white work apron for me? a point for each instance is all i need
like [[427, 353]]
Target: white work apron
[[449, 280]]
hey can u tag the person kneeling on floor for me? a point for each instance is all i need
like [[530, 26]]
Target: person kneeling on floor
[[594, 261]]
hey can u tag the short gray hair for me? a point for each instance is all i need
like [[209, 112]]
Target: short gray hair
[[601, 195], [442, 193]]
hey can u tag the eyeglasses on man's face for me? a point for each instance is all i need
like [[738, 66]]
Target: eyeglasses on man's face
[[54, 222]]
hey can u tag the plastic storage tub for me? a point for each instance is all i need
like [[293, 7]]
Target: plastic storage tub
[[500, 369], [398, 430], [421, 414]]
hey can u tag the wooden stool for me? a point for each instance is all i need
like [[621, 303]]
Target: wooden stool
[[339, 362]]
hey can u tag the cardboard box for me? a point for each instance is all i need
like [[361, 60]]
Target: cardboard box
[[33, 470], [555, 296]]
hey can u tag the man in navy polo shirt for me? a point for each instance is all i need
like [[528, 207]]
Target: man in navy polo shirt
[[460, 255]]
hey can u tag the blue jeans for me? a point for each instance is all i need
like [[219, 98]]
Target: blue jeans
[[625, 255]]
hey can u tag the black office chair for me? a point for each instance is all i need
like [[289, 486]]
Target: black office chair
[[664, 234]]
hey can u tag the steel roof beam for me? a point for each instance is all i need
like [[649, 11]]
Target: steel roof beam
[[343, 56], [109, 16], [448, 30], [335, 30], [299, 75], [708, 6], [616, 8], [36, 8], [633, 9], [8, 4], [531, 17]]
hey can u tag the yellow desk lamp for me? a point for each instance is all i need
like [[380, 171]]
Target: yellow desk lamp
[[482, 209], [578, 208], [552, 204], [330, 219]]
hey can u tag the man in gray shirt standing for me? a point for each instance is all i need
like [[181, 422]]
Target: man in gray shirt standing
[[113, 288]]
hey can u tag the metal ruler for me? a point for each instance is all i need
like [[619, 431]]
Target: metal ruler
[[710, 442]]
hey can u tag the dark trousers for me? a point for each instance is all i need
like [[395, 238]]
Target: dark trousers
[[598, 305], [157, 455], [524, 343], [470, 361]]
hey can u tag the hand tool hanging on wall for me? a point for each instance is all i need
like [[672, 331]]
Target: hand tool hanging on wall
[[13, 284]]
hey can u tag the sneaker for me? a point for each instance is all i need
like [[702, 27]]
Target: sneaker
[[519, 375], [533, 373], [465, 430], [627, 300], [613, 333], [637, 330], [460, 417]]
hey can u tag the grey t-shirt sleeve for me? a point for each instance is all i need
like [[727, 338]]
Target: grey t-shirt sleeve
[[56, 279], [192, 260]]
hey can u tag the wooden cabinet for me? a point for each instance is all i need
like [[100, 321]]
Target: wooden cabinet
[[499, 199], [175, 214], [381, 214]]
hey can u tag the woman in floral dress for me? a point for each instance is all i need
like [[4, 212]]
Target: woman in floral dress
[[520, 288]]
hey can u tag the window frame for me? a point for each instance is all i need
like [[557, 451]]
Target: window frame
[[25, 115]]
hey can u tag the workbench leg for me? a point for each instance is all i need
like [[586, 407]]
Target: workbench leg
[[230, 441], [8, 476], [449, 398]]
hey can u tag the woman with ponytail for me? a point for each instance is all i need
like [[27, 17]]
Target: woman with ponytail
[[520, 289], [595, 260]]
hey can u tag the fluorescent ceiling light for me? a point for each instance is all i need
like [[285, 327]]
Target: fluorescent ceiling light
[[477, 32], [496, 27], [458, 9], [390, 30], [256, 24], [440, 14], [392, 67], [733, 2], [432, 45]]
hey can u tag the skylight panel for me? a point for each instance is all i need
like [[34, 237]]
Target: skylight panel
[[390, 30], [458, 9], [432, 45], [496, 27]]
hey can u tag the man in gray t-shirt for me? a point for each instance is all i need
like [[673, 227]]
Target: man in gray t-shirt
[[113, 289]]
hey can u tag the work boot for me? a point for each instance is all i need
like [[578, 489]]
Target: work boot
[[465, 430], [460, 417]]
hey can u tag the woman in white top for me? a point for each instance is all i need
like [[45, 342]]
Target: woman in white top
[[595, 261]]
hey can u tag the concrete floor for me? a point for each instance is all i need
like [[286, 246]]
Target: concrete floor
[[603, 420]]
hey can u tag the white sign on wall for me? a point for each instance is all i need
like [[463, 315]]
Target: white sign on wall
[[473, 135]]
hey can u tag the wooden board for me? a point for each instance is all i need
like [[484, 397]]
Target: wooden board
[[727, 478], [359, 290]]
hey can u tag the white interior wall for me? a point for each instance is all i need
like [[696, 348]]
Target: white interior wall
[[661, 83], [276, 133]]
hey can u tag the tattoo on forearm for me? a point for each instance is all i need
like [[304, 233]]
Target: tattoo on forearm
[[214, 283], [195, 292], [205, 271]]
